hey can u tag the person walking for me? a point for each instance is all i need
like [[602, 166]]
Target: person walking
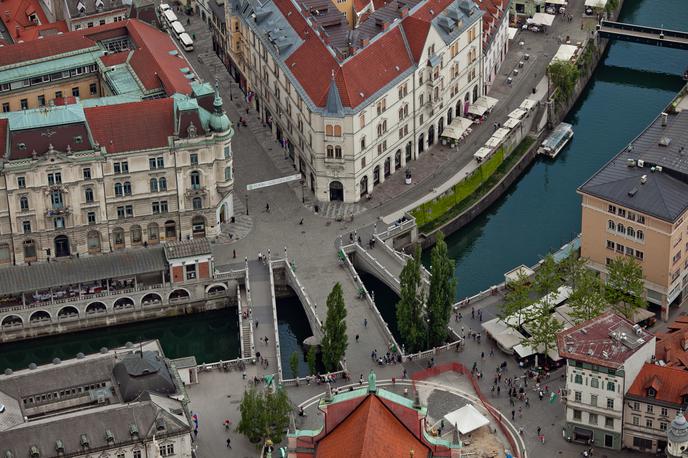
[[267, 208], [356, 338], [229, 443], [513, 415], [365, 322]]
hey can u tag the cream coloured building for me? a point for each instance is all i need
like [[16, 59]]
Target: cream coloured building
[[353, 106], [637, 205]]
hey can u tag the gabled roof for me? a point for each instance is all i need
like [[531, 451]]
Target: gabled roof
[[45, 48], [132, 126], [669, 383], [370, 430], [16, 16]]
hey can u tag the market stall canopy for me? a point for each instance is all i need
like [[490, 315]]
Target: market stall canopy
[[527, 104], [457, 128], [565, 53], [493, 142], [510, 123], [518, 113], [642, 315], [512, 32], [505, 336], [524, 351], [483, 104], [501, 133], [542, 19], [466, 419], [521, 270], [596, 3], [482, 153], [557, 2]]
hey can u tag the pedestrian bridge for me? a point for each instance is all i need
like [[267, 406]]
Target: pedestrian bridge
[[642, 34]]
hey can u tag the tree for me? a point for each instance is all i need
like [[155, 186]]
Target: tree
[[587, 299], [547, 277], [442, 292], [564, 76], [625, 286], [334, 341], [310, 359], [571, 268], [543, 328], [516, 300], [294, 364], [264, 415], [410, 314]]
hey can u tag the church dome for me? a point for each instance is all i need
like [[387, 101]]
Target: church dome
[[678, 430], [219, 121]]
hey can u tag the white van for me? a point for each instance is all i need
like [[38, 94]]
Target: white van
[[178, 28], [169, 17], [186, 42]]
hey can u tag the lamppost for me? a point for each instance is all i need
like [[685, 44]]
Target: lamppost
[[246, 196]]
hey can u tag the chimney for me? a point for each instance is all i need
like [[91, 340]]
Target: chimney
[[385, 25], [365, 42], [404, 11], [665, 119]]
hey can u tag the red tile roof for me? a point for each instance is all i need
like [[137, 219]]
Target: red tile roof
[[671, 384], [15, 16], [670, 345], [495, 11], [132, 126], [370, 430], [47, 47], [61, 137], [592, 342], [416, 31], [115, 59]]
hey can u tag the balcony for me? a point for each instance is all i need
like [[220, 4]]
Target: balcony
[[196, 191], [59, 211]]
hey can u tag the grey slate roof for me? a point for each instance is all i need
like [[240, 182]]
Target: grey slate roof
[[334, 102], [664, 195], [141, 372], [41, 276], [187, 248]]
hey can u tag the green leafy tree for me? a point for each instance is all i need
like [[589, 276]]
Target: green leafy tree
[[543, 329], [547, 277], [625, 286], [310, 359], [334, 341], [264, 415], [442, 292], [571, 268], [294, 364], [587, 299], [410, 314], [516, 300], [563, 75]]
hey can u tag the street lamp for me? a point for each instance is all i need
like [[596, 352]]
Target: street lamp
[[246, 196]]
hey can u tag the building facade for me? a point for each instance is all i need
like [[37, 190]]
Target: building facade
[[637, 206], [495, 38], [603, 357], [382, 94]]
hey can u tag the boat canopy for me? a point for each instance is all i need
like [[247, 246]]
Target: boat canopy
[[559, 133], [493, 142], [501, 133], [528, 104]]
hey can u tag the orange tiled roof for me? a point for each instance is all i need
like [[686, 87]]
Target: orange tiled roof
[[671, 384], [370, 430]]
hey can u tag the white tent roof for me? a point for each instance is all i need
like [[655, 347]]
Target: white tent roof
[[527, 104], [489, 102], [596, 3], [456, 128], [510, 123], [493, 142], [565, 53], [543, 19], [501, 133], [557, 2], [505, 336], [512, 32], [477, 110], [513, 274], [518, 113], [466, 419], [482, 153]]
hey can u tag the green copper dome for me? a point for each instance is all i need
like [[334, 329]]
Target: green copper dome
[[219, 121]]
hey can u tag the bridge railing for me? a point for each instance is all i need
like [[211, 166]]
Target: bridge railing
[[644, 29], [406, 222], [278, 352], [302, 294]]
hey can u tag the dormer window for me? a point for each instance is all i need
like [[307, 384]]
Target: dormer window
[[99, 4], [81, 7], [684, 399], [21, 146], [651, 392]]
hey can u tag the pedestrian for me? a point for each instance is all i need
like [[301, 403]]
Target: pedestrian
[[473, 313], [365, 322], [513, 415], [356, 338], [266, 340], [234, 254], [461, 331], [499, 389], [229, 443], [520, 412], [539, 429], [404, 374], [495, 126], [267, 208], [491, 352], [301, 222], [260, 256], [188, 22], [256, 324], [482, 355], [360, 380]]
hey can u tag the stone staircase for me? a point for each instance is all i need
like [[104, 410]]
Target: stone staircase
[[241, 226], [247, 345], [340, 211]]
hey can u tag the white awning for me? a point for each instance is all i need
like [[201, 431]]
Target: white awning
[[512, 32], [489, 102], [466, 419], [482, 153], [543, 19], [493, 142], [457, 128], [557, 2], [510, 123], [565, 53], [527, 104], [518, 113], [641, 315], [513, 274], [505, 336], [524, 351], [596, 3], [501, 133]]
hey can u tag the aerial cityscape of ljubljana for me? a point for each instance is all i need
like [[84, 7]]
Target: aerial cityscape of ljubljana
[[343, 228]]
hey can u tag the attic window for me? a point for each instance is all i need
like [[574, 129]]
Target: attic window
[[34, 452], [664, 141], [84, 441], [21, 146], [160, 424], [133, 431], [81, 7], [99, 4], [109, 437], [78, 139], [651, 392]]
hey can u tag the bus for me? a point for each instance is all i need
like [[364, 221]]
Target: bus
[[169, 17], [178, 28], [186, 41]]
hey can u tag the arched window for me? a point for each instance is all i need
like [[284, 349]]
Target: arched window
[[88, 195], [136, 235], [611, 225], [329, 130], [162, 183], [118, 189], [228, 173], [197, 203], [195, 180], [127, 188], [630, 231], [401, 114], [379, 130], [338, 152], [24, 203], [406, 110], [640, 235], [154, 185], [620, 228], [337, 131], [330, 151], [363, 143]]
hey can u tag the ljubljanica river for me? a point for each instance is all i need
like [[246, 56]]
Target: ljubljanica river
[[541, 211]]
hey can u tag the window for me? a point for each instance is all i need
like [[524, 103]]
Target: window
[[56, 200], [639, 255], [129, 210], [610, 403], [330, 151], [21, 182], [87, 173], [75, 91], [93, 88], [136, 235], [642, 443], [118, 190], [78, 139], [621, 212], [195, 180], [636, 420], [193, 158], [88, 195], [639, 235], [101, 22], [578, 396], [41, 100], [26, 226], [54, 178], [593, 400], [594, 382], [592, 418], [58, 222], [228, 152], [167, 450], [664, 412], [5, 107], [363, 162], [23, 203], [137, 453], [611, 386], [156, 163], [29, 250], [610, 245], [159, 207], [363, 143], [662, 426], [608, 422], [190, 271], [24, 103], [121, 167], [648, 422], [641, 219], [120, 212], [578, 378], [611, 225], [338, 152], [228, 173], [611, 209], [162, 183], [577, 414], [650, 407], [636, 405], [197, 203], [58, 94], [91, 216], [153, 185]]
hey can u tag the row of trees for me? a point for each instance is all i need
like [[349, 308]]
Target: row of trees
[[422, 319], [264, 414], [590, 296]]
